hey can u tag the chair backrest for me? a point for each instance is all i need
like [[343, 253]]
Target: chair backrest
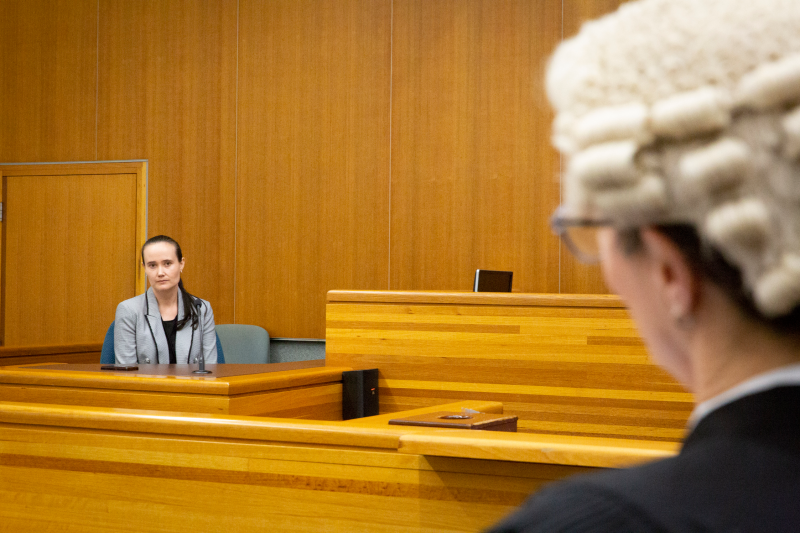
[[108, 357], [107, 353], [244, 343], [220, 354]]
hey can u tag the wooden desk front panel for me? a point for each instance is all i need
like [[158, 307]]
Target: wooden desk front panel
[[570, 365], [317, 402], [304, 390], [59, 475], [64, 353]]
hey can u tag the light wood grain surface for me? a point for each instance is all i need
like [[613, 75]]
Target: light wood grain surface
[[48, 93], [300, 146], [565, 366], [70, 251], [473, 173], [167, 93], [60, 353], [313, 185], [65, 466], [298, 393]]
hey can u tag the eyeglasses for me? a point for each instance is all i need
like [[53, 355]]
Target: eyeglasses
[[578, 234]]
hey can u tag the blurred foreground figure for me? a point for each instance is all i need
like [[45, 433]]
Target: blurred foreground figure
[[680, 124]]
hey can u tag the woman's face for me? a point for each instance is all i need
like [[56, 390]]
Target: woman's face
[[162, 266], [635, 278]]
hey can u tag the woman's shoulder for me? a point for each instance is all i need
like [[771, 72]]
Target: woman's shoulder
[[131, 304]]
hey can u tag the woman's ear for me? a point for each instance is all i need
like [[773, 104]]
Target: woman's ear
[[674, 277]]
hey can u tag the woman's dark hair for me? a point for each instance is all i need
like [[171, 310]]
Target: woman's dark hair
[[189, 301], [709, 263]]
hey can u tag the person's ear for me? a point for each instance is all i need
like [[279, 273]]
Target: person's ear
[[674, 278]]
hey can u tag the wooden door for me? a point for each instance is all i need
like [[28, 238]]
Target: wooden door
[[70, 240]]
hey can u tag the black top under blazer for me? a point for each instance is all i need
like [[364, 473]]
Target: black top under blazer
[[139, 335], [738, 471]]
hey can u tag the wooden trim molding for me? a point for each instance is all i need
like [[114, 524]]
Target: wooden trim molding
[[477, 298]]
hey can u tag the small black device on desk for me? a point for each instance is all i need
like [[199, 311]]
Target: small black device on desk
[[492, 281]]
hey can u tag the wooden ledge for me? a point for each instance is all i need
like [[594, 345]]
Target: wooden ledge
[[165, 423], [476, 298], [531, 448], [18, 351], [364, 433], [271, 379]]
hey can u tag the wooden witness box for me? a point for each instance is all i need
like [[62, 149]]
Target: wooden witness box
[[455, 420], [301, 389]]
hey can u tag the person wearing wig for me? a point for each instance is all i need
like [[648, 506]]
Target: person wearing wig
[[679, 121]]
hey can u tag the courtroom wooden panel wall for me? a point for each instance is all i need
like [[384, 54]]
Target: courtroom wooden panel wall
[[47, 68], [473, 173], [69, 239], [167, 93], [300, 146], [313, 185]]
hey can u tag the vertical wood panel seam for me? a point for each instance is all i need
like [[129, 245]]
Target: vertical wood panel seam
[[97, 83], [560, 172], [236, 165], [391, 87]]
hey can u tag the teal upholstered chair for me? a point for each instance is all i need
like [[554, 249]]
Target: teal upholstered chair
[[244, 343], [107, 356]]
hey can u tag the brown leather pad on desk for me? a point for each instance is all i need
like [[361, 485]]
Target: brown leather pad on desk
[[446, 419]]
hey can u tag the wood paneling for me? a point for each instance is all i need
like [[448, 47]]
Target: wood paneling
[[70, 244], [381, 143], [314, 393], [576, 12], [565, 366], [473, 173], [167, 93], [313, 185], [66, 353], [64, 467], [47, 80]]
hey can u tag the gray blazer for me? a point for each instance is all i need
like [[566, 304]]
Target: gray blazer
[[139, 335]]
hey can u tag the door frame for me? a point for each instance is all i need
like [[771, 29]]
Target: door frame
[[84, 168]]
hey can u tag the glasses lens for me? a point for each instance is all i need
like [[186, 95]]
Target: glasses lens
[[579, 234], [582, 241]]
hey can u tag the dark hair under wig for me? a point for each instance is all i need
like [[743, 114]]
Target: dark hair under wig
[[709, 263]]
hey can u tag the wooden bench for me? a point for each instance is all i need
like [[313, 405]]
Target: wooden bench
[[565, 364]]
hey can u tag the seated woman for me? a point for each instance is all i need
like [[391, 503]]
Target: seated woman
[[680, 122], [166, 324]]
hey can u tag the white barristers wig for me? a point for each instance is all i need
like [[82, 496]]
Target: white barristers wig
[[689, 111]]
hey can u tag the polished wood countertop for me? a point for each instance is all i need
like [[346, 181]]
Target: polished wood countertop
[[228, 379]]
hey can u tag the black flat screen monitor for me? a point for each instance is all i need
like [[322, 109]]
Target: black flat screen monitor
[[492, 281]]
